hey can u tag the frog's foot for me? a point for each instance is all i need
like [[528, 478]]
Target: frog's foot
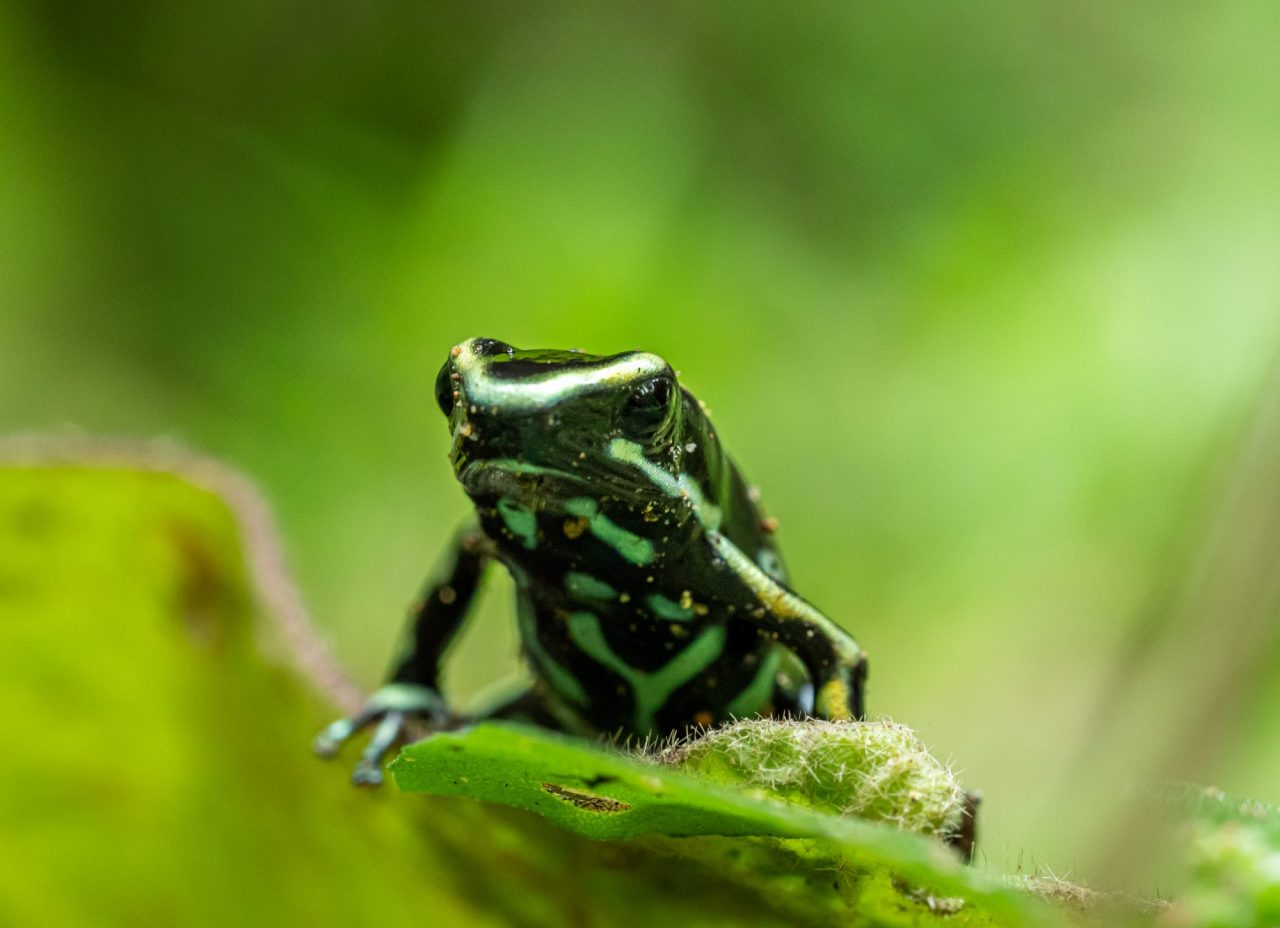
[[393, 708]]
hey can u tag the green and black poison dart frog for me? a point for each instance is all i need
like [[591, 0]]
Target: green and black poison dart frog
[[651, 597]]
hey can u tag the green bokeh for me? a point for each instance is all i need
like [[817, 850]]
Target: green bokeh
[[984, 297]]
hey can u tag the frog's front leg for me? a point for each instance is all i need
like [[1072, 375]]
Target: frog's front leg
[[392, 707], [412, 689], [837, 666]]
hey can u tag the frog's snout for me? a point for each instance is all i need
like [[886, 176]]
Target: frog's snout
[[464, 355], [487, 431]]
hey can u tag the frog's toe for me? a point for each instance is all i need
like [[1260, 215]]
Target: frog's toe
[[328, 742], [331, 739], [368, 771], [393, 708]]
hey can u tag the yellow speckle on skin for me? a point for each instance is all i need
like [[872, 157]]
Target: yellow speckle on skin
[[686, 599], [679, 631], [573, 528]]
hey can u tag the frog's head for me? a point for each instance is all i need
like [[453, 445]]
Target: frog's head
[[548, 425]]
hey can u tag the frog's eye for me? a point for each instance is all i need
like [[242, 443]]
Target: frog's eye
[[444, 391], [648, 403], [488, 347]]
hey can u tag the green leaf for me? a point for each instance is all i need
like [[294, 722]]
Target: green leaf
[[604, 794]]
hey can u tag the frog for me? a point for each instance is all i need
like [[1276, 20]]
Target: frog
[[651, 596]]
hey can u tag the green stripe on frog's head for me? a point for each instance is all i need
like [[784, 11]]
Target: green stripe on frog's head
[[494, 376], [537, 423]]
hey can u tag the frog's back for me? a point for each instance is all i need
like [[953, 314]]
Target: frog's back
[[741, 518]]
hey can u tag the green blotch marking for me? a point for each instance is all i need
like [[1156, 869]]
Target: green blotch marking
[[521, 467], [681, 487], [756, 696], [650, 689], [585, 586], [561, 680], [632, 547], [668, 609], [520, 522]]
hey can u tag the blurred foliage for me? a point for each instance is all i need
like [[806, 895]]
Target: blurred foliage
[[148, 784], [984, 297], [1235, 859]]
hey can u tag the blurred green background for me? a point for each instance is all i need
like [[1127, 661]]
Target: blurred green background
[[985, 297]]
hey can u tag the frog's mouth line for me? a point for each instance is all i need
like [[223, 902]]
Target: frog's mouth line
[[510, 477]]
